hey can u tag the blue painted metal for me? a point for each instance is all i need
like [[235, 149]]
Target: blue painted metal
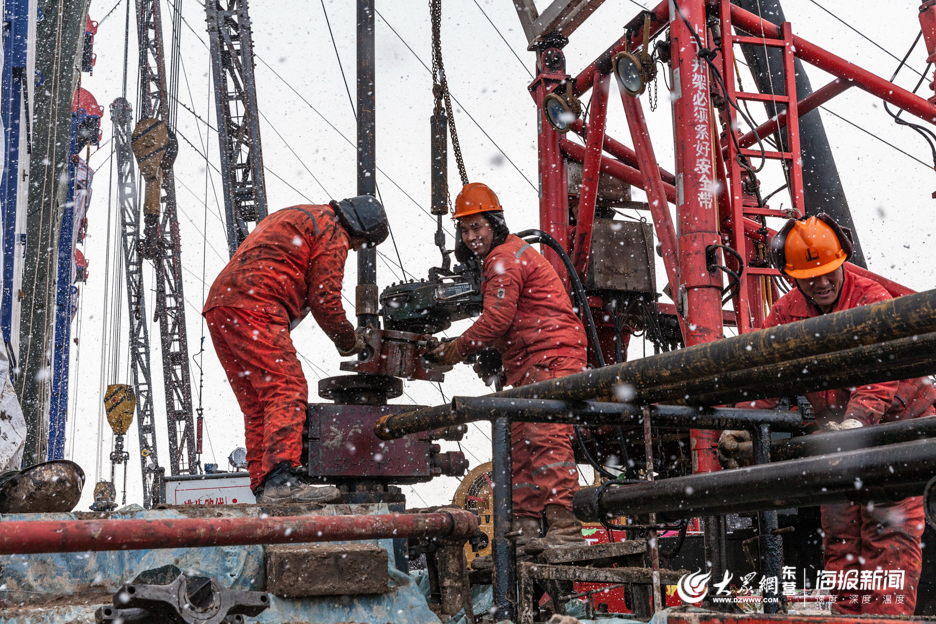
[[58, 404], [15, 43], [42, 586]]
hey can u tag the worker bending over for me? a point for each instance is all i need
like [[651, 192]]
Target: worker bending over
[[856, 537], [528, 318], [292, 263]]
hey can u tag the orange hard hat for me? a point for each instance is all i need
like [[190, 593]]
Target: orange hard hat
[[810, 247], [475, 198]]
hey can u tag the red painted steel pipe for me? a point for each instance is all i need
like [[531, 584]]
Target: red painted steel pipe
[[623, 153], [928, 26], [629, 156], [653, 185], [892, 287], [24, 537], [615, 169], [554, 189], [588, 191], [839, 67], [632, 176], [583, 82], [699, 289], [806, 105]]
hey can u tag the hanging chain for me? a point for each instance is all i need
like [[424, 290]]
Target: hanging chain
[[653, 92], [440, 84]]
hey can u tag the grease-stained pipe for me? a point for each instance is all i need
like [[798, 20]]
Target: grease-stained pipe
[[777, 485], [22, 537]]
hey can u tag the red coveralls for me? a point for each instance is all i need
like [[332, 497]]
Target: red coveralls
[[528, 318], [856, 538], [293, 262]]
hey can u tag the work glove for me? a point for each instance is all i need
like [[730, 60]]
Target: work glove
[[488, 366], [845, 425], [735, 449], [360, 343], [446, 354]]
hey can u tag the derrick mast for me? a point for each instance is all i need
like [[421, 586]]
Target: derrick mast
[[170, 302], [235, 94]]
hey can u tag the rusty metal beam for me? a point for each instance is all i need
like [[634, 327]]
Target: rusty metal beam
[[561, 16], [26, 537]]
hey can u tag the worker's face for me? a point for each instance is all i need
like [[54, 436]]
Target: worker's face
[[825, 289], [477, 234], [357, 243]]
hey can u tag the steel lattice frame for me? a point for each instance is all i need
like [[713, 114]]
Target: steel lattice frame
[[122, 114], [235, 94], [170, 302]]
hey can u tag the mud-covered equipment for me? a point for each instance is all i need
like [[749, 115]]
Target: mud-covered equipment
[[475, 198], [51, 487], [363, 217], [810, 247], [120, 404]]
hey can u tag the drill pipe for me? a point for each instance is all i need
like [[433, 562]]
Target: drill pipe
[[753, 383], [25, 537], [790, 500], [897, 359], [738, 491], [853, 439], [845, 377], [464, 410], [890, 320]]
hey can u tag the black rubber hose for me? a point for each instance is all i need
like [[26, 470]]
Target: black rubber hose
[[539, 236], [578, 290], [675, 547]]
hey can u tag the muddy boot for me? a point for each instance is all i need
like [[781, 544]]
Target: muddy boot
[[282, 485], [523, 530], [564, 530]]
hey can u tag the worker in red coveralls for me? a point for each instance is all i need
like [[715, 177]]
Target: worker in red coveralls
[[291, 264], [857, 538], [528, 318]]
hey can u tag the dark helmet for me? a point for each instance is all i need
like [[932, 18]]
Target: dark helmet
[[363, 217]]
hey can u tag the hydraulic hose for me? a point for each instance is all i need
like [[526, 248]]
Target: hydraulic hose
[[578, 290]]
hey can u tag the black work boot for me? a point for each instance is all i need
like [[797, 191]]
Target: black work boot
[[282, 485]]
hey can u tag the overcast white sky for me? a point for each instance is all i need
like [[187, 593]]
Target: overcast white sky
[[307, 160]]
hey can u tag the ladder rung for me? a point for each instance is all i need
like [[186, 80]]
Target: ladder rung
[[767, 154], [762, 97], [759, 41], [761, 271], [766, 212]]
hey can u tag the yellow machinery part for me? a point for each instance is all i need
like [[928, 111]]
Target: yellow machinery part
[[476, 494], [119, 402]]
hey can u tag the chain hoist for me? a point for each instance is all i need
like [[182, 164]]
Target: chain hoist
[[440, 84]]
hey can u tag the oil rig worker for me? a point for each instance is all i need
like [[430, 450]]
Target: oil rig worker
[[856, 537], [291, 264], [528, 318]]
